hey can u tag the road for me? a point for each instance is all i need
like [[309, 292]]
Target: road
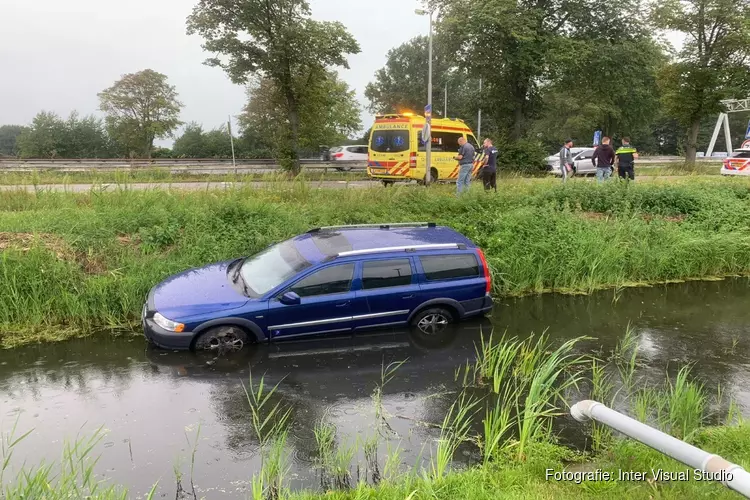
[[186, 186], [202, 186]]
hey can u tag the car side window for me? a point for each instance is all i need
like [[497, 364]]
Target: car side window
[[472, 140], [331, 280], [386, 273], [445, 267]]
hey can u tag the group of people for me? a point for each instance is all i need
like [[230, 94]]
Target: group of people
[[488, 171], [605, 159]]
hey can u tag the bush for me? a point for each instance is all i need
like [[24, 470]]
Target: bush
[[525, 156]]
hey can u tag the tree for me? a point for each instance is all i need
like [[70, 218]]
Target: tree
[[278, 42], [141, 107], [49, 136], [329, 114], [402, 84], [9, 139], [713, 63], [527, 49], [611, 86], [192, 143]]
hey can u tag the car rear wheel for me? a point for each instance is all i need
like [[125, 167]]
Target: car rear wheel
[[388, 183], [343, 169], [433, 321], [222, 339]]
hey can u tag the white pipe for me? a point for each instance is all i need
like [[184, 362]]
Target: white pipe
[[730, 475]]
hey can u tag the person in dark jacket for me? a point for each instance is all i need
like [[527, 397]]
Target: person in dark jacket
[[626, 156], [604, 160], [489, 169]]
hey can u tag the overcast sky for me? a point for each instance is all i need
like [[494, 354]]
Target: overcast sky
[[56, 55]]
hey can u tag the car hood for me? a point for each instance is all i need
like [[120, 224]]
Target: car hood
[[197, 291]]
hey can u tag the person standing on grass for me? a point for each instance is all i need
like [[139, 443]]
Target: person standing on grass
[[566, 160], [465, 159], [626, 156], [489, 169], [603, 160]]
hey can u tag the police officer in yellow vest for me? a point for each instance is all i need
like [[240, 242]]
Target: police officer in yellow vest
[[626, 156]]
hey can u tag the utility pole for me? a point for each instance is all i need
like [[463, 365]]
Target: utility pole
[[479, 118]]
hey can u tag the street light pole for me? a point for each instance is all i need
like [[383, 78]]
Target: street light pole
[[428, 109], [445, 109]]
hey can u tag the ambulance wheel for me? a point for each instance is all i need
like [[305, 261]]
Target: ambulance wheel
[[388, 183], [433, 175]]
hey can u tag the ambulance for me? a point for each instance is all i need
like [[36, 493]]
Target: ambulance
[[397, 151]]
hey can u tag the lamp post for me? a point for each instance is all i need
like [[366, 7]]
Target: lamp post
[[428, 142]]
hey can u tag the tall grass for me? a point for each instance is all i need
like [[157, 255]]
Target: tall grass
[[611, 236], [530, 379], [455, 430], [72, 476], [269, 419]]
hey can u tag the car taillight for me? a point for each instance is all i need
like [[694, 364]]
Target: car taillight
[[487, 275], [413, 160], [338, 155]]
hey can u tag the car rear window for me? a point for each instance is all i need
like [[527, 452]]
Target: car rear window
[[446, 267], [386, 273], [390, 141]]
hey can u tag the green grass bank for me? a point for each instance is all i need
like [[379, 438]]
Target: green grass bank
[[74, 263]]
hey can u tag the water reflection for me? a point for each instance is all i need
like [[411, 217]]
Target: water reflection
[[150, 400]]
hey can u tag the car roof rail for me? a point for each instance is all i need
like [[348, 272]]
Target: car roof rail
[[410, 248], [389, 225]]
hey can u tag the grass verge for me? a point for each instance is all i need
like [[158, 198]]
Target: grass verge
[[74, 263], [150, 175]]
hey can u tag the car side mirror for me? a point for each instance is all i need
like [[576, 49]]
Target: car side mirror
[[290, 299]]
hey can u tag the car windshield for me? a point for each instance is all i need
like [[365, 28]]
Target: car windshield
[[265, 271]]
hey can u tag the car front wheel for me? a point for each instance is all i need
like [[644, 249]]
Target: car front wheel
[[432, 321], [222, 339]]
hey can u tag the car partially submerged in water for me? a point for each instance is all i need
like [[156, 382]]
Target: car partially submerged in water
[[331, 280]]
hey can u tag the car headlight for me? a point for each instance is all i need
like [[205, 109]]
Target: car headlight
[[168, 324]]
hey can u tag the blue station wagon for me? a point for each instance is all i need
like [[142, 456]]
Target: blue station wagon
[[331, 280]]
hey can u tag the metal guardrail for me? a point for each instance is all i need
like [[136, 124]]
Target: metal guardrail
[[176, 165], [704, 464]]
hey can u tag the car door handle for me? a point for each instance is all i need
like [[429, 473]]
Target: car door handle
[[406, 297], [343, 304]]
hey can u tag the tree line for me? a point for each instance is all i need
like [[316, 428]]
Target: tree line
[[550, 69], [553, 69]]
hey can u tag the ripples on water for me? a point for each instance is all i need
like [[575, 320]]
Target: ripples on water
[[151, 402]]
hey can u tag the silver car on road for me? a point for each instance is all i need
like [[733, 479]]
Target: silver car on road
[[582, 164]]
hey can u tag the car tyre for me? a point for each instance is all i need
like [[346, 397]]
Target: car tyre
[[388, 183], [432, 321], [343, 169], [222, 339]]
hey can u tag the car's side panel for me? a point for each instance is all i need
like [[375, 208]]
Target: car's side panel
[[315, 315], [389, 306], [453, 291]]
